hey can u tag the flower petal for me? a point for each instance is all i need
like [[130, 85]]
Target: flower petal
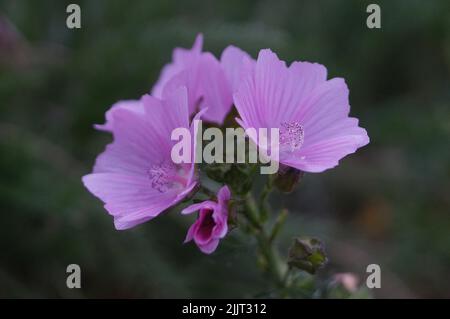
[[137, 144], [214, 90], [224, 196], [131, 105], [181, 59], [209, 247], [326, 154], [273, 93], [128, 198], [191, 232], [326, 103], [233, 61], [196, 207]]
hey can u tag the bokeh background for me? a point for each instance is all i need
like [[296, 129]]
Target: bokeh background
[[387, 204]]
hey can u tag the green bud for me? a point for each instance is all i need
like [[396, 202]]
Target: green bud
[[307, 254], [239, 177], [287, 178], [216, 171]]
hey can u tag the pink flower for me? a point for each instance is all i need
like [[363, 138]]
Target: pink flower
[[212, 222], [135, 176], [310, 111], [209, 82], [349, 280], [202, 75]]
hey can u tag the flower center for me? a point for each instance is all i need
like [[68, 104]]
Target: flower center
[[207, 224], [164, 176], [291, 135]]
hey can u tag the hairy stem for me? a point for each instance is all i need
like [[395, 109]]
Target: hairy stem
[[271, 256], [272, 259], [252, 213], [263, 204]]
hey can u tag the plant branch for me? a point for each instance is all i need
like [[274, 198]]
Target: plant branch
[[271, 257]]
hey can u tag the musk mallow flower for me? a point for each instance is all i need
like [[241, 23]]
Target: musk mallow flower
[[311, 112], [135, 176], [201, 73], [212, 221], [210, 82]]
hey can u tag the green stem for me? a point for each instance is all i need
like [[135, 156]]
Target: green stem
[[286, 276], [274, 263], [251, 212], [263, 205], [279, 222], [265, 242]]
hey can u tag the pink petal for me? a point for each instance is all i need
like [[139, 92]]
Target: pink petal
[[206, 84], [119, 224], [128, 198], [245, 100], [137, 144], [224, 195], [190, 78], [232, 61], [131, 105], [326, 154], [143, 140], [276, 92], [168, 114], [209, 247], [182, 58], [191, 232], [196, 207], [326, 103], [214, 90], [194, 132], [221, 228]]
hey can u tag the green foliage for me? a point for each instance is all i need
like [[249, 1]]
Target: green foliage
[[238, 176]]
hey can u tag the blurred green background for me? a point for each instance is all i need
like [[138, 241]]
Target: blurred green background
[[387, 204]]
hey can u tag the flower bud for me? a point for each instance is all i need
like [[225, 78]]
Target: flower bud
[[307, 254], [287, 178]]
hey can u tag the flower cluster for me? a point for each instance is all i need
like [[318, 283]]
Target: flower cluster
[[135, 177]]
